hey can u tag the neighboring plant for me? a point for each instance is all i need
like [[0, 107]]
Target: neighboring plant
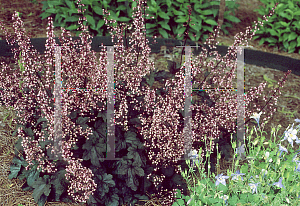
[[282, 30], [161, 14], [269, 177], [82, 176]]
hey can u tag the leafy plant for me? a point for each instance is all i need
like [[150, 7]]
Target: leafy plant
[[161, 14], [282, 29]]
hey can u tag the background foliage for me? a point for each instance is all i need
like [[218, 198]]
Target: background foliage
[[168, 16], [283, 28]]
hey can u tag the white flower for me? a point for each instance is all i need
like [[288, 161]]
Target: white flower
[[290, 135], [264, 172], [225, 197], [256, 115], [193, 153], [267, 154]]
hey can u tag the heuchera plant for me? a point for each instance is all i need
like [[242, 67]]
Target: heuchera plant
[[162, 128], [82, 172]]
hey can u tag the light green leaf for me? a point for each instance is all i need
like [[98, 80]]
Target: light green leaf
[[163, 15], [261, 41], [124, 19], [211, 22], [71, 19], [90, 20], [178, 13], [86, 2], [99, 24], [163, 33], [285, 15], [284, 23], [98, 10], [273, 32], [181, 20], [153, 3], [180, 30], [72, 27], [169, 3], [232, 19], [149, 26], [297, 13], [207, 12], [70, 4], [292, 36], [164, 25]]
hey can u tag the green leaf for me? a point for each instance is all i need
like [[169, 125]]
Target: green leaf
[[164, 25], [100, 24], [163, 33], [292, 36], [181, 20], [273, 32], [169, 3], [150, 80], [72, 11], [41, 187], [124, 19], [178, 13], [42, 200], [70, 4], [72, 27], [52, 10], [90, 20], [163, 15], [58, 181], [41, 119], [28, 132], [112, 15], [32, 177], [271, 40], [207, 12], [284, 23], [261, 41], [197, 26], [297, 13], [54, 3], [98, 10], [207, 28], [14, 170], [298, 40], [45, 15], [153, 3], [232, 18], [211, 22], [149, 26], [71, 19], [121, 8], [86, 2], [292, 46], [285, 15]]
